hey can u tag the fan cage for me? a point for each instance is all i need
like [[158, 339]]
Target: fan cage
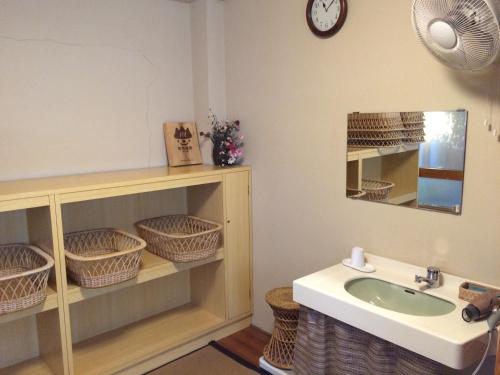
[[476, 24]]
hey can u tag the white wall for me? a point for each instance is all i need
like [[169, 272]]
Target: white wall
[[293, 91], [86, 85], [209, 70]]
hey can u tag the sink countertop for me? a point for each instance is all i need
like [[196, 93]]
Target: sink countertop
[[447, 339]]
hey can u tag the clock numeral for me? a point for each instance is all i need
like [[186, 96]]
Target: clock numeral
[[324, 16]]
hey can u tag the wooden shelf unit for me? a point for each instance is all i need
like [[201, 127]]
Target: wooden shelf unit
[[33, 340], [396, 164], [354, 153], [169, 310]]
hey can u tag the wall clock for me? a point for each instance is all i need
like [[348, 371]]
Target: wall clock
[[326, 17]]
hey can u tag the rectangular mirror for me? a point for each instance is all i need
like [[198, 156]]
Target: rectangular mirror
[[412, 159]]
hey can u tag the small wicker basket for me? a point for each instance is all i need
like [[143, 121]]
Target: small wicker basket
[[24, 272], [101, 257], [469, 291], [376, 190], [180, 238]]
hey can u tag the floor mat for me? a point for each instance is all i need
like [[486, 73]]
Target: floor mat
[[209, 360]]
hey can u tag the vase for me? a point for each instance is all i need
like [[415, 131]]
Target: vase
[[219, 155]]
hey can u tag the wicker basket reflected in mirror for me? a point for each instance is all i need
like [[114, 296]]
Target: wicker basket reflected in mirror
[[374, 130], [376, 190], [355, 193]]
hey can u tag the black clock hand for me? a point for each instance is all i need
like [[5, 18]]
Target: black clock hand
[[329, 5], [324, 6]]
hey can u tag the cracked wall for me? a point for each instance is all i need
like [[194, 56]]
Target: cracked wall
[[86, 85]]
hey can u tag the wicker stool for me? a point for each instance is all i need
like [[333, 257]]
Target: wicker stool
[[279, 351]]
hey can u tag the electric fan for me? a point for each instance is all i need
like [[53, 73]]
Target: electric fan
[[462, 34]]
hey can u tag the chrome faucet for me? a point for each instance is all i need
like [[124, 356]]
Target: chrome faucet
[[433, 278]]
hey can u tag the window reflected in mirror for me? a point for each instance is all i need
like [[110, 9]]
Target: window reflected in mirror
[[412, 159]]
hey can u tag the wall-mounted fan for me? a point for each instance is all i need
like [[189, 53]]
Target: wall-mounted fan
[[463, 34]]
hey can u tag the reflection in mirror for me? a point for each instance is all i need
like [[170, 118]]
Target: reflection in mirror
[[413, 159]]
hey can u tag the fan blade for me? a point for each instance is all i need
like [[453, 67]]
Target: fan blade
[[428, 10], [479, 48], [468, 14]]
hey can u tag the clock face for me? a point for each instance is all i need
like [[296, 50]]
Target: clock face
[[326, 17], [325, 14]]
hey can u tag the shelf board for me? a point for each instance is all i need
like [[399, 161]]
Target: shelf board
[[368, 153], [124, 347], [33, 366], [49, 304], [21, 204], [29, 188], [404, 198], [152, 267]]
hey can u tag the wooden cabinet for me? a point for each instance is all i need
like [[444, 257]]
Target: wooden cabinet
[[239, 288], [169, 310]]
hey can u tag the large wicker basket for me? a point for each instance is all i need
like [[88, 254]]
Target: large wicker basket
[[374, 130], [180, 238], [24, 271], [101, 257]]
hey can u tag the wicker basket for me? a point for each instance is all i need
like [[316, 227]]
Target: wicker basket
[[413, 133], [469, 291], [374, 130], [24, 271], [369, 143], [180, 238], [101, 257], [414, 140], [355, 193], [374, 121], [412, 117], [375, 135], [376, 190], [414, 124]]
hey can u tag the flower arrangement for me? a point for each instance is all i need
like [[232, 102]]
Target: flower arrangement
[[227, 143]]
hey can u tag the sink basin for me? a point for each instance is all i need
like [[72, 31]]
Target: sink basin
[[397, 298]]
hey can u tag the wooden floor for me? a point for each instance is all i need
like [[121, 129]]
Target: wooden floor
[[248, 344]]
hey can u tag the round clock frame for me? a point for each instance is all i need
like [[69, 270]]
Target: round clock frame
[[332, 31]]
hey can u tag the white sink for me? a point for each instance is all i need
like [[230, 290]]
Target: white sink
[[439, 333]]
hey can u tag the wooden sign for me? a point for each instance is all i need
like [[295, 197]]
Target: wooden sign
[[181, 141]]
